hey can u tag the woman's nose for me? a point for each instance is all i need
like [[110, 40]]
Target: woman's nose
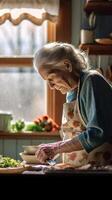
[[51, 85]]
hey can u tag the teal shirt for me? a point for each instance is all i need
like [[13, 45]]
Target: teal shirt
[[92, 111]]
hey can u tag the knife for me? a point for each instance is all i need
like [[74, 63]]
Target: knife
[[52, 162]]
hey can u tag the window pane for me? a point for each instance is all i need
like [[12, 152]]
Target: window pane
[[22, 91], [22, 39]]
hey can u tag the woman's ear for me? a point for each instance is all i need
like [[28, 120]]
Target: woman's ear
[[68, 65]]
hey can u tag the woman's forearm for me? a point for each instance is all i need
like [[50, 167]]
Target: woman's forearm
[[69, 145]]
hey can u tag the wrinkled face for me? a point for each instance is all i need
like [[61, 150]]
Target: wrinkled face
[[58, 79]]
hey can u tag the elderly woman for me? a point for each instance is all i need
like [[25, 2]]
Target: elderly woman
[[87, 113]]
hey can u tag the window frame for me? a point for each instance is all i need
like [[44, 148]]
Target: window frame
[[60, 31]]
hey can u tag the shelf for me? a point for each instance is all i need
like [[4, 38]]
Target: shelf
[[104, 8], [95, 49], [30, 135]]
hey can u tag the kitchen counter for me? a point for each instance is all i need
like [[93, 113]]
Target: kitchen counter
[[57, 179], [107, 170], [48, 171]]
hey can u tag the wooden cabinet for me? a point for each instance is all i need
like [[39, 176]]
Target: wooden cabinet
[[101, 8]]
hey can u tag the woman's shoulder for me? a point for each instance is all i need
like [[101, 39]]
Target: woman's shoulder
[[93, 78], [93, 75], [87, 76]]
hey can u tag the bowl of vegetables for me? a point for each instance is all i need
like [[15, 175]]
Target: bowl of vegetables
[[9, 165], [6, 161]]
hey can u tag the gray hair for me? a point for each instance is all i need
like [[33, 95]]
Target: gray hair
[[53, 53]]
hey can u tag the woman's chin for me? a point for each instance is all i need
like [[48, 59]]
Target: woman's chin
[[63, 91]]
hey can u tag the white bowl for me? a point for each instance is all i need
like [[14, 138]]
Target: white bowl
[[29, 159], [30, 150]]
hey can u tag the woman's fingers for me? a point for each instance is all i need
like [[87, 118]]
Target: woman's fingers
[[45, 151], [41, 155]]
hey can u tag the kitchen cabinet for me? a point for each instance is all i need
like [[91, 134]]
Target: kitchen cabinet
[[101, 8]]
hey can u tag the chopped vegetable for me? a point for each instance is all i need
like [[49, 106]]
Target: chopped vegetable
[[9, 162]]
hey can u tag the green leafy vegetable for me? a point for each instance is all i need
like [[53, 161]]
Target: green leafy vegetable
[[18, 126], [33, 127], [9, 162], [22, 126]]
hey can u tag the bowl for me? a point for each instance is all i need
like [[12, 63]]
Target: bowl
[[29, 159], [104, 41], [31, 149]]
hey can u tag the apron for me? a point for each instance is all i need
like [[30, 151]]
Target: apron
[[73, 122]]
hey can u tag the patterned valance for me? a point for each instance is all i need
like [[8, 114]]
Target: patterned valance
[[35, 11]]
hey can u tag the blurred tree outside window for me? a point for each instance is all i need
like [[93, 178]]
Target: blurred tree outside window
[[22, 91]]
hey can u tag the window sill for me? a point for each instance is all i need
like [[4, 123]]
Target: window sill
[[30, 135]]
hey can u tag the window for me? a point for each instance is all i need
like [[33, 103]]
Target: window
[[22, 39], [21, 61], [22, 91]]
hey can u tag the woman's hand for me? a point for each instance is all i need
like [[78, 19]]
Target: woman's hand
[[48, 151], [45, 152]]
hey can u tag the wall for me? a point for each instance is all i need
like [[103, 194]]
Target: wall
[[78, 17]]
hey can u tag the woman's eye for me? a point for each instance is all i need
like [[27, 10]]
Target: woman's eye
[[51, 76], [49, 80]]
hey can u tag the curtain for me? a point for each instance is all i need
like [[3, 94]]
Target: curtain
[[35, 11]]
